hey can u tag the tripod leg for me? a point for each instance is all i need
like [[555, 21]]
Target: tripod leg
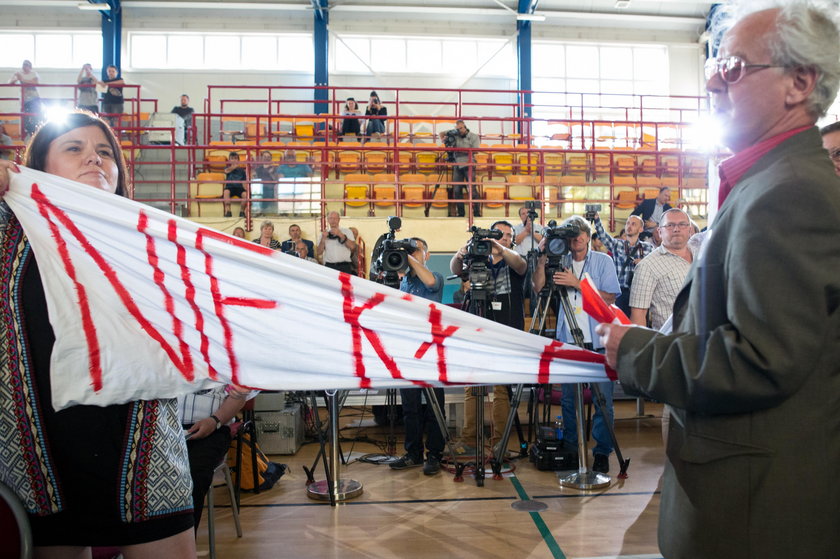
[[498, 456], [602, 404], [479, 434]]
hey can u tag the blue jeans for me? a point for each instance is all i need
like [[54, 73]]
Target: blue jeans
[[603, 443]]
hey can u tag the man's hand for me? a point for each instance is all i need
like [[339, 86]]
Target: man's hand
[[650, 224], [6, 167], [611, 335], [202, 429], [567, 278]]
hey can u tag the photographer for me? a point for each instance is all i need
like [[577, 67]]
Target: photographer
[[626, 254], [506, 307], [336, 245], [461, 137], [579, 261], [375, 126], [419, 418]]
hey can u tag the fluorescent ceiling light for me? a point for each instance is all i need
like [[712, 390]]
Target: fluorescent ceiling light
[[94, 6], [621, 4], [530, 17]]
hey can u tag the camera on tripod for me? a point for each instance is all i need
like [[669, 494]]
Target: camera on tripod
[[558, 240], [480, 245], [393, 256], [449, 139]]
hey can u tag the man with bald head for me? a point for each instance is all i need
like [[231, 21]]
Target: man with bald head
[[752, 366], [626, 254], [336, 245]]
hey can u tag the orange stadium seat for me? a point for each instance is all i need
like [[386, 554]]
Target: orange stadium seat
[[206, 186], [356, 193]]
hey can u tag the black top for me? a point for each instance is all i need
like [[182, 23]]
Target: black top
[[114, 94]]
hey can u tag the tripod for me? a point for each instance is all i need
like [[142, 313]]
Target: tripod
[[444, 170], [584, 478]]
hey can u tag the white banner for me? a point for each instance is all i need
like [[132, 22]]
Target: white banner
[[147, 305]]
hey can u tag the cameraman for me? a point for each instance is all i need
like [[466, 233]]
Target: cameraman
[[506, 307], [420, 418], [579, 261], [626, 254], [462, 170]]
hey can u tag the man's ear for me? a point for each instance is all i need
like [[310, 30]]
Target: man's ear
[[803, 82]]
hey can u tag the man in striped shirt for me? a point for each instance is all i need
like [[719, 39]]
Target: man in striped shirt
[[626, 254], [660, 276]]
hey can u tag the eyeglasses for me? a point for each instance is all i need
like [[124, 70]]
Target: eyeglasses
[[731, 68], [680, 225]]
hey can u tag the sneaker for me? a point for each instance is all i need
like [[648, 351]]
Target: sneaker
[[601, 463], [227, 214], [406, 462], [432, 466]]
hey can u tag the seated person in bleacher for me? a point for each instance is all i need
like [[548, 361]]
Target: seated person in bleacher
[[303, 251], [266, 172], [291, 168], [205, 416], [651, 210], [295, 237], [351, 126], [235, 177], [266, 237]]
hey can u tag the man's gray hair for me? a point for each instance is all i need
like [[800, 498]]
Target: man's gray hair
[[807, 35], [579, 222]]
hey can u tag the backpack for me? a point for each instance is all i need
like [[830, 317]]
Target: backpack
[[267, 472]]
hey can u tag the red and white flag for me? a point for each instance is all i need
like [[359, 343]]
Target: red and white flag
[[147, 305]]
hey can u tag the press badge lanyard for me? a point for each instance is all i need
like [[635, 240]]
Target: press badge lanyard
[[578, 296], [495, 270]]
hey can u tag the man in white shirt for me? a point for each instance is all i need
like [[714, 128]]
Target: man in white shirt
[[336, 245]]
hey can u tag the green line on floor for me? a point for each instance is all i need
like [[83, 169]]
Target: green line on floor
[[549, 540]]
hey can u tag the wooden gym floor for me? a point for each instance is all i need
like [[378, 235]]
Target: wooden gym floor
[[404, 514]]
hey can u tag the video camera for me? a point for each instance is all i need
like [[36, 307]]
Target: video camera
[[393, 255], [449, 139], [557, 245], [479, 245]]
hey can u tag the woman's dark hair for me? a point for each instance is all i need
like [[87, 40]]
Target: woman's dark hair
[[39, 146]]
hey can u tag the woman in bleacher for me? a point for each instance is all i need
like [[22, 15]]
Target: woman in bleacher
[[375, 126], [351, 125], [88, 475]]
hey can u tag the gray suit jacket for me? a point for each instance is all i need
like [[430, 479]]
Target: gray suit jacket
[[753, 371]]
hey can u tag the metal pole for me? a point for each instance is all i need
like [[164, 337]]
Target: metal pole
[[584, 478], [341, 489]]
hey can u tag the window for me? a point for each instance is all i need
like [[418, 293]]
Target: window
[[461, 57], [229, 51], [50, 50]]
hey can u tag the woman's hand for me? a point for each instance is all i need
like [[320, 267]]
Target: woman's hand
[[6, 167]]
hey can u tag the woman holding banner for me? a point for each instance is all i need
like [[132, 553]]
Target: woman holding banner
[[88, 475]]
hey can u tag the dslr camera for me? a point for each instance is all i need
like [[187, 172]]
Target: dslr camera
[[591, 210]]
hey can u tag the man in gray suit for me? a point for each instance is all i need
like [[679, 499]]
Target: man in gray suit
[[752, 368]]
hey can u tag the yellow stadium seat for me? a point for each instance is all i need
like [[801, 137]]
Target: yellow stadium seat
[[356, 192], [206, 186]]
